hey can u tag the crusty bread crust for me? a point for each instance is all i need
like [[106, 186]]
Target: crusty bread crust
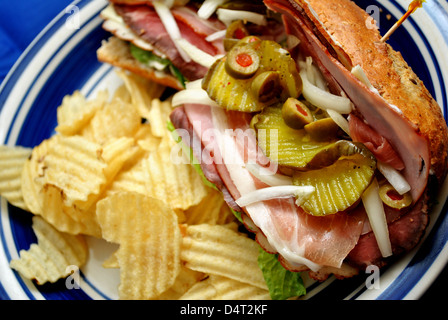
[[117, 53], [387, 71]]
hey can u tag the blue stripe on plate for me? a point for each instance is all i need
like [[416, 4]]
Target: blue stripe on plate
[[51, 96], [75, 69], [421, 262], [437, 13], [432, 246], [3, 294]]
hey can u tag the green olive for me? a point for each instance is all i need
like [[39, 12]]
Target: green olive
[[296, 114], [235, 32], [337, 150], [249, 39], [247, 5], [392, 198], [242, 62], [229, 43], [322, 129], [266, 86]]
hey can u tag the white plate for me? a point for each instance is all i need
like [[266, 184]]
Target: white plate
[[62, 59]]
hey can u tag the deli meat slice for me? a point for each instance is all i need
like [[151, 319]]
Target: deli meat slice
[[380, 147], [301, 239], [384, 118], [405, 233], [145, 22]]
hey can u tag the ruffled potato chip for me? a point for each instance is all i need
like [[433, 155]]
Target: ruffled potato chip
[[149, 239], [178, 184], [53, 257], [222, 288], [12, 162], [217, 250], [75, 112]]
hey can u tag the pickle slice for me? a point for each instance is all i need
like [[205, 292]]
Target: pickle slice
[[236, 94], [282, 144], [338, 186]]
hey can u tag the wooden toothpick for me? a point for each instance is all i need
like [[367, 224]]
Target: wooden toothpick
[[414, 5]]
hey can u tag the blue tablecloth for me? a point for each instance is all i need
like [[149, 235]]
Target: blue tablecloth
[[20, 23]]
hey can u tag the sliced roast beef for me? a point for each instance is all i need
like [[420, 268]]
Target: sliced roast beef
[[405, 233], [145, 22]]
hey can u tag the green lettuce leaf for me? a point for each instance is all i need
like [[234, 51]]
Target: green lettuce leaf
[[282, 283], [149, 58]]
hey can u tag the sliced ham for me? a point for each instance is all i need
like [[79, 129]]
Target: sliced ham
[[145, 22], [384, 118], [304, 242], [376, 143], [300, 239], [189, 137]]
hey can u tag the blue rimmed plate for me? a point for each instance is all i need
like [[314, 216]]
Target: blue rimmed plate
[[63, 59]]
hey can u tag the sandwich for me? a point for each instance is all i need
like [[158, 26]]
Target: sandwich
[[327, 145], [173, 42], [323, 141]]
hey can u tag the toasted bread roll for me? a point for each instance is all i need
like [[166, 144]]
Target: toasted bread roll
[[387, 72], [116, 52]]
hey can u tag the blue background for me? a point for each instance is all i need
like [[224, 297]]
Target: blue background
[[20, 23]]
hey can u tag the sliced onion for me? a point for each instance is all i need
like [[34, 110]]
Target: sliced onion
[[300, 192], [323, 99], [195, 96], [314, 75], [209, 7], [171, 26], [394, 177], [292, 41], [339, 120], [216, 35], [195, 84], [377, 218], [228, 15], [196, 54], [267, 176], [358, 72]]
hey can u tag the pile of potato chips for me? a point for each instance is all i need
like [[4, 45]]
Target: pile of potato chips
[[108, 174]]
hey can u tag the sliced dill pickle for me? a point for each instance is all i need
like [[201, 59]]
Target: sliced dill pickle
[[276, 58], [283, 144], [236, 94], [338, 186], [228, 92]]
